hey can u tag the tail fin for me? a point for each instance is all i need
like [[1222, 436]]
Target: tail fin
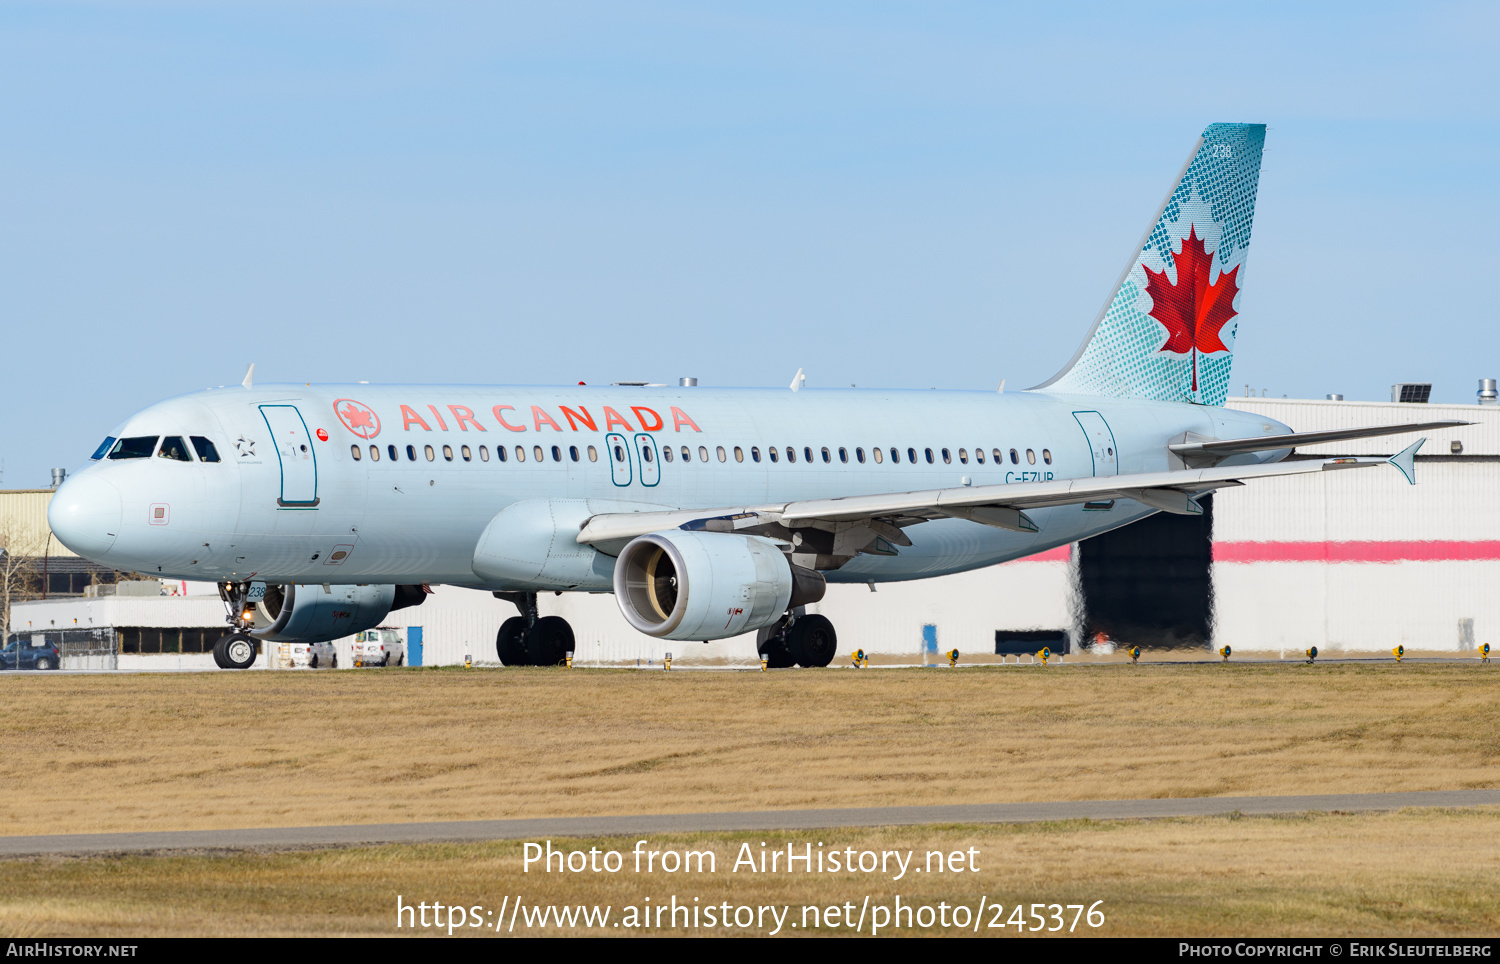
[[1167, 332]]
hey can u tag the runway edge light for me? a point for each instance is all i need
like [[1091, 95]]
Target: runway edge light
[[1224, 651], [952, 655], [1135, 654], [1484, 653], [1045, 654], [1312, 654], [861, 661], [1398, 652]]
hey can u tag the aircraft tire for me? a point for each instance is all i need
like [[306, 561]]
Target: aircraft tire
[[510, 642], [771, 646], [235, 651], [812, 641], [549, 640]]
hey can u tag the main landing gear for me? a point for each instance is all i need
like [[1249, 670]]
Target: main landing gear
[[239, 648], [530, 640], [798, 640]]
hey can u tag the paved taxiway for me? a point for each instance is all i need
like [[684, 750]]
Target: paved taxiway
[[545, 827]]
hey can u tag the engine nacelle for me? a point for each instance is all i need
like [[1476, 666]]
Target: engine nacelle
[[678, 584], [311, 614]]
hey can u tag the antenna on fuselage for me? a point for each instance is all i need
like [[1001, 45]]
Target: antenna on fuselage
[[798, 380], [249, 381]]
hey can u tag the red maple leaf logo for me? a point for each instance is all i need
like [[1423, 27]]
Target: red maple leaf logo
[[357, 417], [1193, 311]]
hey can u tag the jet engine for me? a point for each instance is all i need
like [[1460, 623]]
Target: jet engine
[[314, 613], [678, 584]]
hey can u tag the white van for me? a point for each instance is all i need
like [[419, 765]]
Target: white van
[[378, 647]]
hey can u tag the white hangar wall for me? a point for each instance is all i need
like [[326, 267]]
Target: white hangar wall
[[1360, 560]]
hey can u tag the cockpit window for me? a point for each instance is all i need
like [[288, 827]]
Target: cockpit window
[[172, 447], [103, 449], [206, 450], [138, 447]]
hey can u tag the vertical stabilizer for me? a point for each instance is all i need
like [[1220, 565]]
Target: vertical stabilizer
[[1168, 329]]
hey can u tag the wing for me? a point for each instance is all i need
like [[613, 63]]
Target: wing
[[846, 527], [1209, 451]]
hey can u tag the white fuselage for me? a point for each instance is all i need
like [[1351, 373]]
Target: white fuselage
[[290, 502]]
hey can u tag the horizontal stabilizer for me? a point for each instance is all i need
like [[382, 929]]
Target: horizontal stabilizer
[[1406, 461], [1270, 443]]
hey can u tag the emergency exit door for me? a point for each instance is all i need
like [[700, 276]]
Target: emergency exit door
[[1101, 442], [294, 449], [618, 452]]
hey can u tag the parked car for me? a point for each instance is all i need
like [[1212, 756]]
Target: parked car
[[315, 655], [379, 647], [30, 652]]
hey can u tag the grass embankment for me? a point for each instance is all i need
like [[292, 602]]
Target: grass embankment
[[183, 751], [1414, 873]]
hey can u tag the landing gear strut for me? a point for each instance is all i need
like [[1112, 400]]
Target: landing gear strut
[[529, 639], [798, 640], [238, 649]]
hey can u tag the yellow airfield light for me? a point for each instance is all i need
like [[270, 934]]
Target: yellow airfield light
[[666, 661], [568, 659], [1135, 654], [952, 655], [468, 661], [1312, 654], [1398, 652], [1224, 651], [861, 660], [1045, 654], [1484, 653]]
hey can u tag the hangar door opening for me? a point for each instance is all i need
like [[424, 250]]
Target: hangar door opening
[[1150, 583]]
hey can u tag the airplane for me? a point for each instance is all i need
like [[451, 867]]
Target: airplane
[[707, 512]]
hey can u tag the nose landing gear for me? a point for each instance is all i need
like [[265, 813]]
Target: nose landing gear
[[529, 639], [239, 648]]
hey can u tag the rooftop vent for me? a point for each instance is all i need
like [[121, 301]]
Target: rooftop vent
[[1411, 392], [58, 477], [1335, 397], [687, 382], [1487, 393]]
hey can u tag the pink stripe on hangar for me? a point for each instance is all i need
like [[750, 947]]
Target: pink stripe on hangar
[[1360, 551]]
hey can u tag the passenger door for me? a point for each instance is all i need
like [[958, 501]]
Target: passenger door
[[618, 452], [299, 464], [1101, 443], [645, 447]]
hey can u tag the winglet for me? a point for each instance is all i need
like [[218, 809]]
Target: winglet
[[249, 376], [1406, 461]]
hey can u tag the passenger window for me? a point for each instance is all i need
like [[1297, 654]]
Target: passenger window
[[929, 455], [103, 449], [878, 453], [895, 456], [720, 453], [427, 451], [978, 455], [355, 453], [755, 453], [206, 450], [1047, 456], [843, 454], [702, 453], [739, 454], [771, 451], [826, 456], [791, 454], [536, 453], [573, 452], [687, 454], [136, 447], [645, 453], [556, 454], [947, 459], [998, 457], [807, 453], [411, 453], [520, 453], [963, 456], [666, 453], [484, 454], [1014, 458], [447, 453], [1030, 457], [374, 453], [911, 456], [593, 454], [619, 453], [391, 451], [467, 455], [500, 453]]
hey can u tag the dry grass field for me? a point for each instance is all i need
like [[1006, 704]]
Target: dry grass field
[[1413, 873], [191, 751]]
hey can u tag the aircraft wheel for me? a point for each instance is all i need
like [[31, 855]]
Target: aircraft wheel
[[235, 651], [510, 642], [812, 641], [549, 640], [770, 644]]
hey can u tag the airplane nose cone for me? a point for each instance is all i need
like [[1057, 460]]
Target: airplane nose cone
[[85, 515]]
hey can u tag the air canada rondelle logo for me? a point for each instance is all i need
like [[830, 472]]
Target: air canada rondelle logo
[[357, 417]]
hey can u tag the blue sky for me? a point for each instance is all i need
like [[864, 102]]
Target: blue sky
[[905, 195]]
